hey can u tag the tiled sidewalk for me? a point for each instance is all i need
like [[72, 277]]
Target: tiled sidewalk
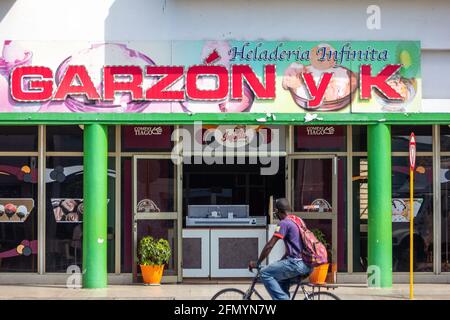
[[206, 291]]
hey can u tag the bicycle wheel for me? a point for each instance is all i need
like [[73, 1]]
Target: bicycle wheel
[[229, 294], [323, 296]]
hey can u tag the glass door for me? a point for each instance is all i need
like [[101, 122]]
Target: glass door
[[156, 211], [313, 194]]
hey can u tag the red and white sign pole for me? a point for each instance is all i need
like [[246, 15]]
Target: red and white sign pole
[[412, 165]]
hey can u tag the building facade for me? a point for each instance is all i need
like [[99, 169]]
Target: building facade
[[82, 182]]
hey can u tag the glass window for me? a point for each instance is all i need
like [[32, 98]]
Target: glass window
[[445, 213], [423, 214], [223, 184], [359, 134], [313, 192], [64, 138], [445, 138], [342, 214], [18, 138], [64, 213], [320, 138], [127, 217], [313, 187], [400, 138], [155, 185], [70, 138], [18, 214], [360, 213], [146, 138]]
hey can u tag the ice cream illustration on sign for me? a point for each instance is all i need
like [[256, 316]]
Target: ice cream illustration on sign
[[342, 83]]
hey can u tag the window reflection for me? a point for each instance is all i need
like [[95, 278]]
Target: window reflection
[[423, 211], [423, 217], [445, 213], [313, 185], [400, 138], [70, 138], [18, 138], [155, 185], [64, 213]]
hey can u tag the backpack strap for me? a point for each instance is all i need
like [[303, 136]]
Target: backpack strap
[[298, 221]]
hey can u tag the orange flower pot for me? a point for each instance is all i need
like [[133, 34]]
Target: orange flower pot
[[331, 277], [152, 275], [319, 274]]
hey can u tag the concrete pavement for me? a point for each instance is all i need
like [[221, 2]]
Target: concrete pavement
[[206, 291]]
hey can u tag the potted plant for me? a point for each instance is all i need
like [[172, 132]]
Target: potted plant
[[319, 273], [153, 255]]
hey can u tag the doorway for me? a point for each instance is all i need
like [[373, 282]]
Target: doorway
[[313, 195], [156, 208]]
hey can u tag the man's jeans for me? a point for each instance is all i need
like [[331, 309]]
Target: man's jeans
[[277, 276]]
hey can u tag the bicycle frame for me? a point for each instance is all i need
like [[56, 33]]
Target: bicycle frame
[[252, 290]]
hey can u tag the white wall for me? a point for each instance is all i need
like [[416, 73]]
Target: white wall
[[428, 21]]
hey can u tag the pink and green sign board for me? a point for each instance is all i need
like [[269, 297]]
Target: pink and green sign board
[[214, 77]]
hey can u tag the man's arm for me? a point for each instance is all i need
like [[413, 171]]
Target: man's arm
[[264, 253]]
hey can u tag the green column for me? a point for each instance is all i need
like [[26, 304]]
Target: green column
[[380, 206], [95, 202]]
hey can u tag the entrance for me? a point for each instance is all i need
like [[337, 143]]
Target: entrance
[[156, 210], [313, 194]]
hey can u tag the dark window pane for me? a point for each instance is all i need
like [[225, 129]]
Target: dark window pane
[[146, 138], [313, 185], [18, 214], [400, 138], [423, 214], [360, 213], [70, 138], [445, 138], [18, 138], [342, 215], [127, 216], [359, 134], [155, 185], [64, 138], [232, 184], [445, 213], [320, 138], [64, 213]]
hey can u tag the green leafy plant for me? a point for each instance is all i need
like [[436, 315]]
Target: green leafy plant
[[154, 252], [321, 237]]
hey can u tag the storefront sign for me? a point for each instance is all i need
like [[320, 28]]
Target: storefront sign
[[230, 136], [324, 136], [211, 77], [320, 131], [151, 137]]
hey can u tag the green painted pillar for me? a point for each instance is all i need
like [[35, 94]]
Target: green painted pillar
[[380, 206], [95, 211]]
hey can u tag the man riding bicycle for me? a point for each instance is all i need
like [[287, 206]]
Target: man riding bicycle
[[277, 276]]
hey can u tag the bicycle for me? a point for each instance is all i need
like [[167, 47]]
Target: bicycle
[[237, 294]]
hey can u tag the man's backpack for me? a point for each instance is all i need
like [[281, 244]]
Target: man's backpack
[[314, 252]]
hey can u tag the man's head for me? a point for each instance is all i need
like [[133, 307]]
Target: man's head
[[282, 208]]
